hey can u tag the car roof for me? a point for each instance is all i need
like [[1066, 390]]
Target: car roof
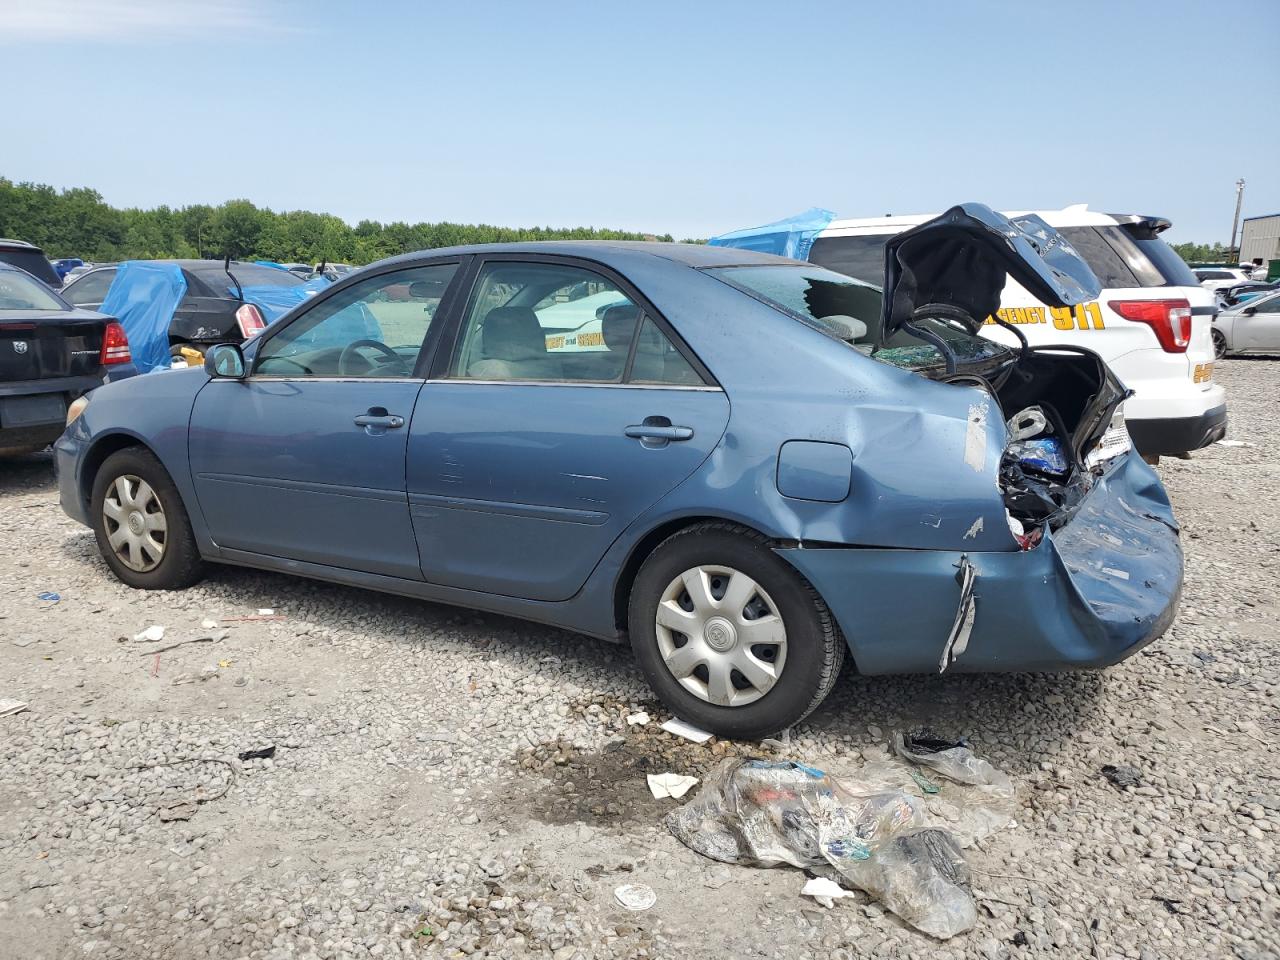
[[614, 253], [1075, 215], [17, 244]]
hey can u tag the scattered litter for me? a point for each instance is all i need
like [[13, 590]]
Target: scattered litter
[[1044, 455], [223, 664], [211, 638], [924, 783], [205, 674], [637, 719], [670, 785], [150, 635], [208, 624], [49, 596], [1027, 423], [825, 891], [686, 730], [265, 753], [24, 641], [949, 758], [635, 896], [253, 618], [1122, 775], [266, 612], [9, 707], [873, 833], [1234, 443]]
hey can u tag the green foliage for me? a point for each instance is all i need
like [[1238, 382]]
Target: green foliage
[[1205, 252], [78, 223]]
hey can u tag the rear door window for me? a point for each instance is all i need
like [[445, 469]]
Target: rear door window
[[859, 257], [91, 288]]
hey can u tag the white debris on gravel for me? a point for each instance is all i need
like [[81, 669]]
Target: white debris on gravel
[[448, 784]]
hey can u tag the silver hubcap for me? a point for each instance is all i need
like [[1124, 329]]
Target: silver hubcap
[[135, 523], [720, 635]]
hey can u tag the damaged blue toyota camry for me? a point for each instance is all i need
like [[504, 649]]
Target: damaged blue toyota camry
[[744, 465]]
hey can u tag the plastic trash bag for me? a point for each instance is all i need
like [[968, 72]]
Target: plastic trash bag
[[950, 758], [1043, 455], [766, 813]]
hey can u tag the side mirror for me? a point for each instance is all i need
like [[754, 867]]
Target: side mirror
[[224, 361], [1249, 311]]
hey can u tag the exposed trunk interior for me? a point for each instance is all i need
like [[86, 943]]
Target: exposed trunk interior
[[1059, 402]]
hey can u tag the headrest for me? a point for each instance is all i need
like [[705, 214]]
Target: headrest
[[513, 333], [618, 325]]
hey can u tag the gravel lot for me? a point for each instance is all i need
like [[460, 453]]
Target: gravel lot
[[474, 777]]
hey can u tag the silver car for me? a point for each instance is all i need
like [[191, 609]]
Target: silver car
[[1250, 327]]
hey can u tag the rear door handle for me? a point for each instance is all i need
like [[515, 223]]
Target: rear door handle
[[657, 432], [646, 432]]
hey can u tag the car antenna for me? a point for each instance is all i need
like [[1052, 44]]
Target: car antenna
[[226, 265]]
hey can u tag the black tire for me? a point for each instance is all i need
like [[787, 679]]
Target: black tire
[[814, 647], [180, 565], [1219, 344]]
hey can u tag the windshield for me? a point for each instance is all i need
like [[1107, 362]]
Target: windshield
[[850, 310], [20, 292]]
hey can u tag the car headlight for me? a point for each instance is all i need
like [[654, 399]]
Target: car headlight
[[76, 408]]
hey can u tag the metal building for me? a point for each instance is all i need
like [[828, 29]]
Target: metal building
[[1260, 238]]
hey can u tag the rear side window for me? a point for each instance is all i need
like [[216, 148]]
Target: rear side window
[[1172, 268], [1103, 258], [91, 288], [34, 262], [859, 257]]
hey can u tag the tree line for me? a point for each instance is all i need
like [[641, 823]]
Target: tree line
[[77, 222], [1206, 252]]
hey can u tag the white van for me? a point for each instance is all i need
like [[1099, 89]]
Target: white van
[[1151, 323]]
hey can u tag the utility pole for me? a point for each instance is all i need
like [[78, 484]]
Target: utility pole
[[1235, 221]]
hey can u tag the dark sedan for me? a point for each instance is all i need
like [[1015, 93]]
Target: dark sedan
[[50, 355]]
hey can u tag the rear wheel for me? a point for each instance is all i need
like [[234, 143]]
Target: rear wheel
[[730, 636], [141, 524], [1219, 344]]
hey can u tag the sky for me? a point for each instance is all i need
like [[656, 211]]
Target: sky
[[693, 118]]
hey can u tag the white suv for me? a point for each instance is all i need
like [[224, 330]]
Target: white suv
[[1151, 323]]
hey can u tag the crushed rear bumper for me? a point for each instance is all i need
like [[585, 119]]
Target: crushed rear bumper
[[1089, 595]]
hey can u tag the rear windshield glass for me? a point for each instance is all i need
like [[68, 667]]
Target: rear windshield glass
[[19, 292], [849, 310], [1173, 269], [1129, 256], [249, 275], [34, 262]]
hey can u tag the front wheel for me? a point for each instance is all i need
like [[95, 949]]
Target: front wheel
[[731, 638], [141, 524], [1219, 344]]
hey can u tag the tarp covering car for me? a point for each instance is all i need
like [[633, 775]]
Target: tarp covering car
[[275, 302], [143, 297], [791, 237]]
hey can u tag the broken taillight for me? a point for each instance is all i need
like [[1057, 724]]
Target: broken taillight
[[1170, 319], [249, 319], [115, 345]]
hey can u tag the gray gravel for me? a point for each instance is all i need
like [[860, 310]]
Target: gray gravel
[[449, 784]]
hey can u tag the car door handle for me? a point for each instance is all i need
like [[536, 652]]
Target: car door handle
[[645, 431], [376, 423]]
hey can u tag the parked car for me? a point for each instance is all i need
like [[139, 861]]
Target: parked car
[[64, 266], [1249, 327], [1151, 322], [30, 258], [211, 308], [50, 355], [1219, 278], [79, 271], [1243, 292], [772, 464]]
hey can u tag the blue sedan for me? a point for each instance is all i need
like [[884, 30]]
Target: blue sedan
[[748, 467]]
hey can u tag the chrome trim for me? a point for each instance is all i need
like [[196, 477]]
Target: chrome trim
[[582, 383], [267, 378]]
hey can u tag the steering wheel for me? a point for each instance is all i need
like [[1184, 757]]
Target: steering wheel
[[349, 351]]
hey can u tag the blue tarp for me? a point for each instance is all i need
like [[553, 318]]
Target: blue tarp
[[271, 263], [787, 238], [275, 302], [143, 297]]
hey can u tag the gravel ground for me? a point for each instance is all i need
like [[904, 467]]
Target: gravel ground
[[448, 784]]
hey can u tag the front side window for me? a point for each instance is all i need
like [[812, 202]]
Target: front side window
[[20, 292], [375, 328], [555, 322]]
